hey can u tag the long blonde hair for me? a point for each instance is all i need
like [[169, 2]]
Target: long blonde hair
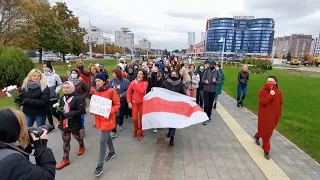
[[23, 138], [43, 83], [185, 75]]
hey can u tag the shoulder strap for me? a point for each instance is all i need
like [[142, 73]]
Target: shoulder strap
[[5, 152]]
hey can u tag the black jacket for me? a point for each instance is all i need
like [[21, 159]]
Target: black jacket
[[18, 167], [154, 83], [34, 101], [176, 86], [201, 83], [77, 108], [131, 76], [243, 77]]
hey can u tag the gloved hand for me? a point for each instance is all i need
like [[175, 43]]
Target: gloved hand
[[61, 116]]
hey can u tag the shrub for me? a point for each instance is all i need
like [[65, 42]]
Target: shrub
[[14, 66], [259, 65]]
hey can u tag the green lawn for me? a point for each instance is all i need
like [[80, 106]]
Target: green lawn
[[300, 118], [61, 69]]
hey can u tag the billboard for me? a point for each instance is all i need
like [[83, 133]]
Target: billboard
[[243, 17]]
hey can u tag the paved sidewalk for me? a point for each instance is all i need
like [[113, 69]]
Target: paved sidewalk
[[292, 160], [209, 152]]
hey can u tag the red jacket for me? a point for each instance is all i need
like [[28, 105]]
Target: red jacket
[[85, 78], [107, 124], [269, 111], [136, 91]]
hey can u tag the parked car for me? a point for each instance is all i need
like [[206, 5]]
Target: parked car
[[51, 57], [71, 57]]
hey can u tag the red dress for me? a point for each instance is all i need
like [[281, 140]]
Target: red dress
[[269, 112]]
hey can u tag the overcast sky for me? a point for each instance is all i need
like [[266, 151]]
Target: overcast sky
[[166, 23]]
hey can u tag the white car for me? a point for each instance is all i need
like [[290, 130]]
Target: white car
[[71, 57], [51, 57]]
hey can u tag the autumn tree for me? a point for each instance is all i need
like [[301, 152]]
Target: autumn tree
[[308, 57], [41, 30], [289, 56], [74, 33]]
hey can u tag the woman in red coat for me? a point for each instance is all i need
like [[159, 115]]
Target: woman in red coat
[[269, 112], [135, 93], [104, 124]]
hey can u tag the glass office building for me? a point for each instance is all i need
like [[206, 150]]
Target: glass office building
[[242, 35]]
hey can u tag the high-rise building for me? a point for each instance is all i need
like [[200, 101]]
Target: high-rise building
[[191, 38], [124, 38], [243, 34], [97, 36], [297, 44], [315, 47], [144, 44], [203, 36]]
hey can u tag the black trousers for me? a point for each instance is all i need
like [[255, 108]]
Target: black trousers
[[208, 101], [51, 112], [121, 113]]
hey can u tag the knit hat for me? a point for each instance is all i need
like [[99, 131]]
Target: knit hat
[[49, 65], [10, 128], [71, 86], [77, 70], [102, 76], [212, 63]]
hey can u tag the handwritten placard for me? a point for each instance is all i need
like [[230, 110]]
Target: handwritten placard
[[100, 106]]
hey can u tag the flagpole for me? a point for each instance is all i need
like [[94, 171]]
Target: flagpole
[[222, 53]]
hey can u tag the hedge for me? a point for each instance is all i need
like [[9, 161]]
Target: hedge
[[14, 66], [260, 66]]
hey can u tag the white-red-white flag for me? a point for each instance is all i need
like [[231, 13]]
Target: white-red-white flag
[[163, 108]]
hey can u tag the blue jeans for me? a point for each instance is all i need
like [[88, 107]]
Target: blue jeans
[[242, 89], [172, 132], [82, 119], [41, 120]]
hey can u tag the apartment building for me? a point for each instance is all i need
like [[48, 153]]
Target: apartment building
[[297, 44]]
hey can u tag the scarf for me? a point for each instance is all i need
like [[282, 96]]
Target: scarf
[[33, 85], [75, 81], [66, 109]]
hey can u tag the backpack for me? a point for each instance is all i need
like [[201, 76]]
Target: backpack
[[5, 152]]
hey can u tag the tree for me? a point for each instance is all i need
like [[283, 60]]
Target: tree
[[14, 66], [10, 17], [74, 33], [289, 56], [308, 56], [42, 29]]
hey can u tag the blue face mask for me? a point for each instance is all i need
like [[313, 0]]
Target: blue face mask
[[201, 69]]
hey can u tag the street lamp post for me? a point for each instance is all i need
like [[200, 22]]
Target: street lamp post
[[89, 33], [104, 47], [222, 53]]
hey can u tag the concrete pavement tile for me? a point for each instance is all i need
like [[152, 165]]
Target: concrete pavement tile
[[190, 171], [223, 173], [212, 172], [201, 172]]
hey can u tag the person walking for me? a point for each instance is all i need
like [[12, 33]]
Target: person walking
[[193, 85], [199, 94], [155, 80], [173, 83], [219, 86], [269, 112], [70, 120], [121, 85], [81, 89], [105, 125], [135, 93], [54, 83], [243, 79], [34, 97], [211, 79], [94, 70]]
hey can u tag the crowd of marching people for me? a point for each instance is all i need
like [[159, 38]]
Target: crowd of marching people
[[129, 82]]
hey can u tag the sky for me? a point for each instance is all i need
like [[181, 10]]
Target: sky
[[166, 23]]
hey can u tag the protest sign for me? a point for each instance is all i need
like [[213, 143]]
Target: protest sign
[[100, 106]]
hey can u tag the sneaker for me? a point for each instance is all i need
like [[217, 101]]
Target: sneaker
[[215, 106], [120, 128], [266, 155], [113, 135], [110, 156], [257, 141], [155, 130], [238, 104], [241, 103], [205, 123], [209, 120], [98, 171]]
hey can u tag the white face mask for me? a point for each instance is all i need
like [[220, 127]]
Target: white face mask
[[217, 68], [74, 76], [46, 73]]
